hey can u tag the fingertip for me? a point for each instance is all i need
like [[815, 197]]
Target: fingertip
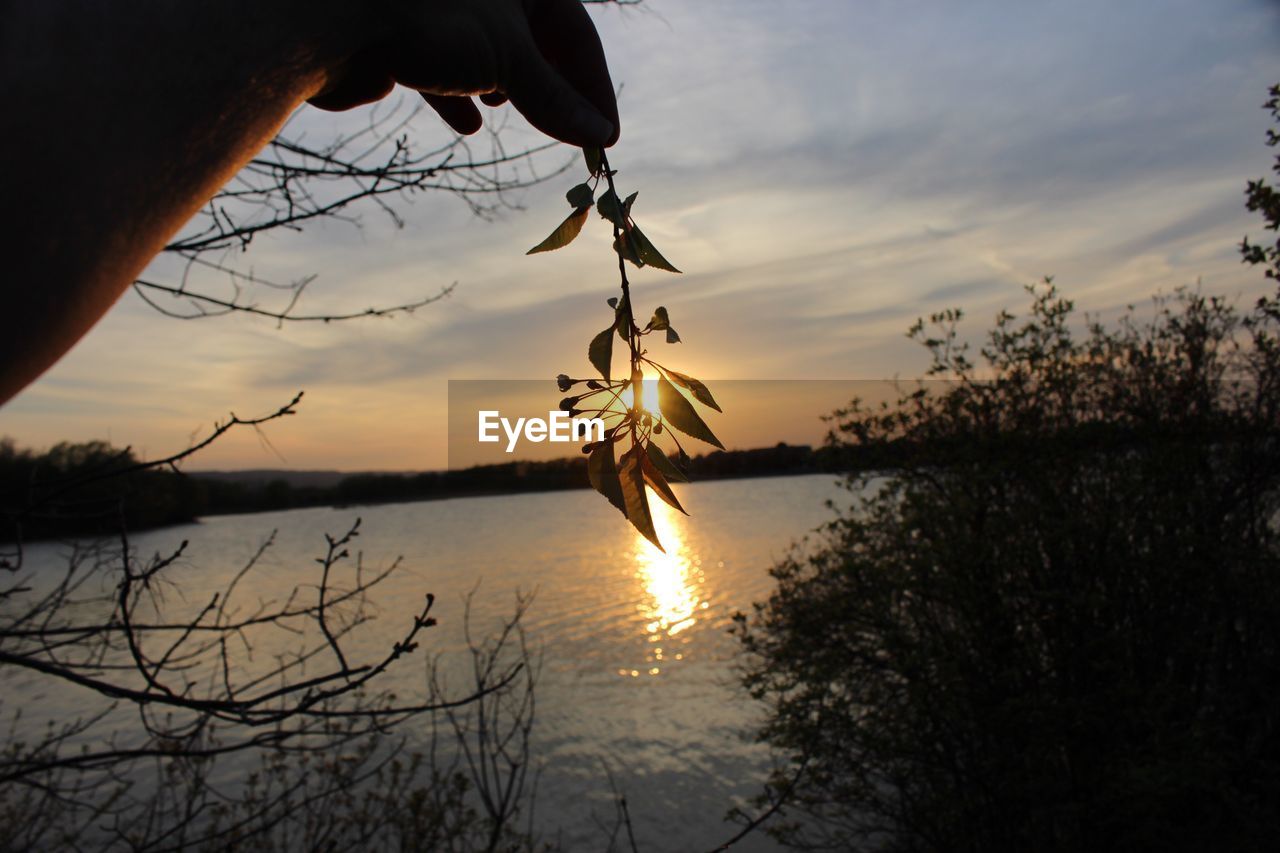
[[567, 38], [557, 109], [459, 112], [575, 123], [591, 128]]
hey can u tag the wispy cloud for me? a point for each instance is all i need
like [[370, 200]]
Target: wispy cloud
[[825, 172]]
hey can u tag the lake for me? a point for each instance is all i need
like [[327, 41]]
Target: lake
[[638, 666]]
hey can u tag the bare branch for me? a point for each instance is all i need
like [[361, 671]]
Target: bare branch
[[198, 300], [293, 183]]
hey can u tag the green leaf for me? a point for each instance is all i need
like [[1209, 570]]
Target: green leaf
[[672, 336], [631, 475], [610, 208], [658, 483], [580, 196], [603, 472], [660, 319], [601, 352], [699, 391], [564, 234], [648, 252], [679, 413], [664, 464], [594, 157]]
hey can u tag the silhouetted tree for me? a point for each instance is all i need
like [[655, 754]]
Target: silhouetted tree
[[1051, 619]]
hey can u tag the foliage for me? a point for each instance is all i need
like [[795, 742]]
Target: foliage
[[625, 479], [1055, 622], [94, 489], [84, 495], [1051, 620], [1263, 198]]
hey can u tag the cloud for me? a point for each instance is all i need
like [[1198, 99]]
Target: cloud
[[825, 172]]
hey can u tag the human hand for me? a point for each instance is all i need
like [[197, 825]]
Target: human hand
[[542, 55]]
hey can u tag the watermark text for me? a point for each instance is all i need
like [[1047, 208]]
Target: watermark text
[[557, 427]]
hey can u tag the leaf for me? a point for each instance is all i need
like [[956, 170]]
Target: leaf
[[631, 475], [581, 196], [672, 336], [610, 208], [658, 483], [648, 252], [660, 319], [594, 157], [699, 391], [664, 464], [613, 302], [601, 352], [622, 320], [564, 233], [679, 413], [626, 248], [603, 472], [626, 205]]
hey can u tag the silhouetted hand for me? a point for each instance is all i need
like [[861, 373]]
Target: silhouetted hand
[[542, 55], [171, 99]]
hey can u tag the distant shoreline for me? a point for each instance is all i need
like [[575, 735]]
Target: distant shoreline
[[260, 490], [498, 494], [104, 504]]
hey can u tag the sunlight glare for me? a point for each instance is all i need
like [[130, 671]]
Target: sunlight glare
[[648, 396], [670, 579]]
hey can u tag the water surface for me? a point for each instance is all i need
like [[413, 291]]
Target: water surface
[[638, 664]]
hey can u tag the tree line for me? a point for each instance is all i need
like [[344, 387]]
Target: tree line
[[71, 489]]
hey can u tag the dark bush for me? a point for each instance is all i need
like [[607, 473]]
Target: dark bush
[[1051, 618]]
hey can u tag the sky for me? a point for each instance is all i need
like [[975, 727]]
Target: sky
[[824, 171]]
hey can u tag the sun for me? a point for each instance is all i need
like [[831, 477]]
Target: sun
[[648, 401]]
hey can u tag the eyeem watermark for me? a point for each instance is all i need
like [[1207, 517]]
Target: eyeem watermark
[[558, 427]]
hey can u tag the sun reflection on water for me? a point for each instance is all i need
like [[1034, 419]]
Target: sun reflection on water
[[672, 585]]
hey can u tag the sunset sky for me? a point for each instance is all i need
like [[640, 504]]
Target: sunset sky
[[824, 172]]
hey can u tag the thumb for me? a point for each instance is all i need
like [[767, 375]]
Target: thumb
[[553, 106]]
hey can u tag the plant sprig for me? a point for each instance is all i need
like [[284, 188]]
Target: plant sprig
[[623, 479]]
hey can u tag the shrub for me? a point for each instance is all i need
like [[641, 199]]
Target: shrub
[[1051, 618]]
